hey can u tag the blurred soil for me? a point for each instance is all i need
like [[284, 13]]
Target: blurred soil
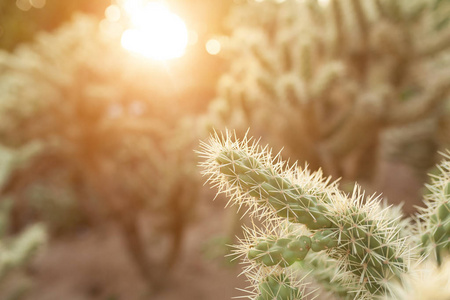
[[93, 265]]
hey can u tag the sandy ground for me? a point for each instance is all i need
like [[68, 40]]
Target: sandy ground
[[94, 265]]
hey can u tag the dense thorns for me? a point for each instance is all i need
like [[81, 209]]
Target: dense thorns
[[363, 238]]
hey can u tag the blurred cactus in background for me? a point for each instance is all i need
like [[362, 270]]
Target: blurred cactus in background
[[16, 251], [351, 244], [115, 140], [20, 20], [441, 9], [344, 85]]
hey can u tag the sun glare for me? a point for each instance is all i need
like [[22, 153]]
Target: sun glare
[[156, 32]]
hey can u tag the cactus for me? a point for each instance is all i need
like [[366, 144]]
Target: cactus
[[434, 218], [12, 159], [355, 245], [115, 141], [18, 250], [335, 83], [20, 21]]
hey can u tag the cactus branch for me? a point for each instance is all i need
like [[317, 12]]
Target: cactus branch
[[351, 229]]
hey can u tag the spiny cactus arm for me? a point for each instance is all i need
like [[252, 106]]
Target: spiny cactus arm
[[353, 230], [268, 251], [324, 270], [434, 218], [271, 250], [277, 287], [276, 284], [251, 177], [279, 246], [275, 247]]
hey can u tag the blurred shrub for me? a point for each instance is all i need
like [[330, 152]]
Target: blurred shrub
[[20, 20], [17, 250], [116, 138], [342, 85]]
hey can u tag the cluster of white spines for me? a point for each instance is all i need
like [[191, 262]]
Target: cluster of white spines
[[352, 229], [425, 281], [266, 278]]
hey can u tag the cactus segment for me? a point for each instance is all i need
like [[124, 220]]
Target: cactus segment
[[284, 251]]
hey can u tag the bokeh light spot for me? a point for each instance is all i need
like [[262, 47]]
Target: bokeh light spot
[[24, 5], [213, 47], [38, 3], [112, 13]]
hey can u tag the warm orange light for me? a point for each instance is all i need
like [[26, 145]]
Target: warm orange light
[[193, 37], [156, 32]]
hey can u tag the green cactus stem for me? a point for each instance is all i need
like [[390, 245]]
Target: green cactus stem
[[352, 229]]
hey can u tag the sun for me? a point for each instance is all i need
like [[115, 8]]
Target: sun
[[155, 31]]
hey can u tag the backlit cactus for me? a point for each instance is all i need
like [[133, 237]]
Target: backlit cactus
[[329, 80], [367, 244], [115, 140], [354, 246]]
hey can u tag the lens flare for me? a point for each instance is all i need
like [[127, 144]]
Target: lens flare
[[156, 32]]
